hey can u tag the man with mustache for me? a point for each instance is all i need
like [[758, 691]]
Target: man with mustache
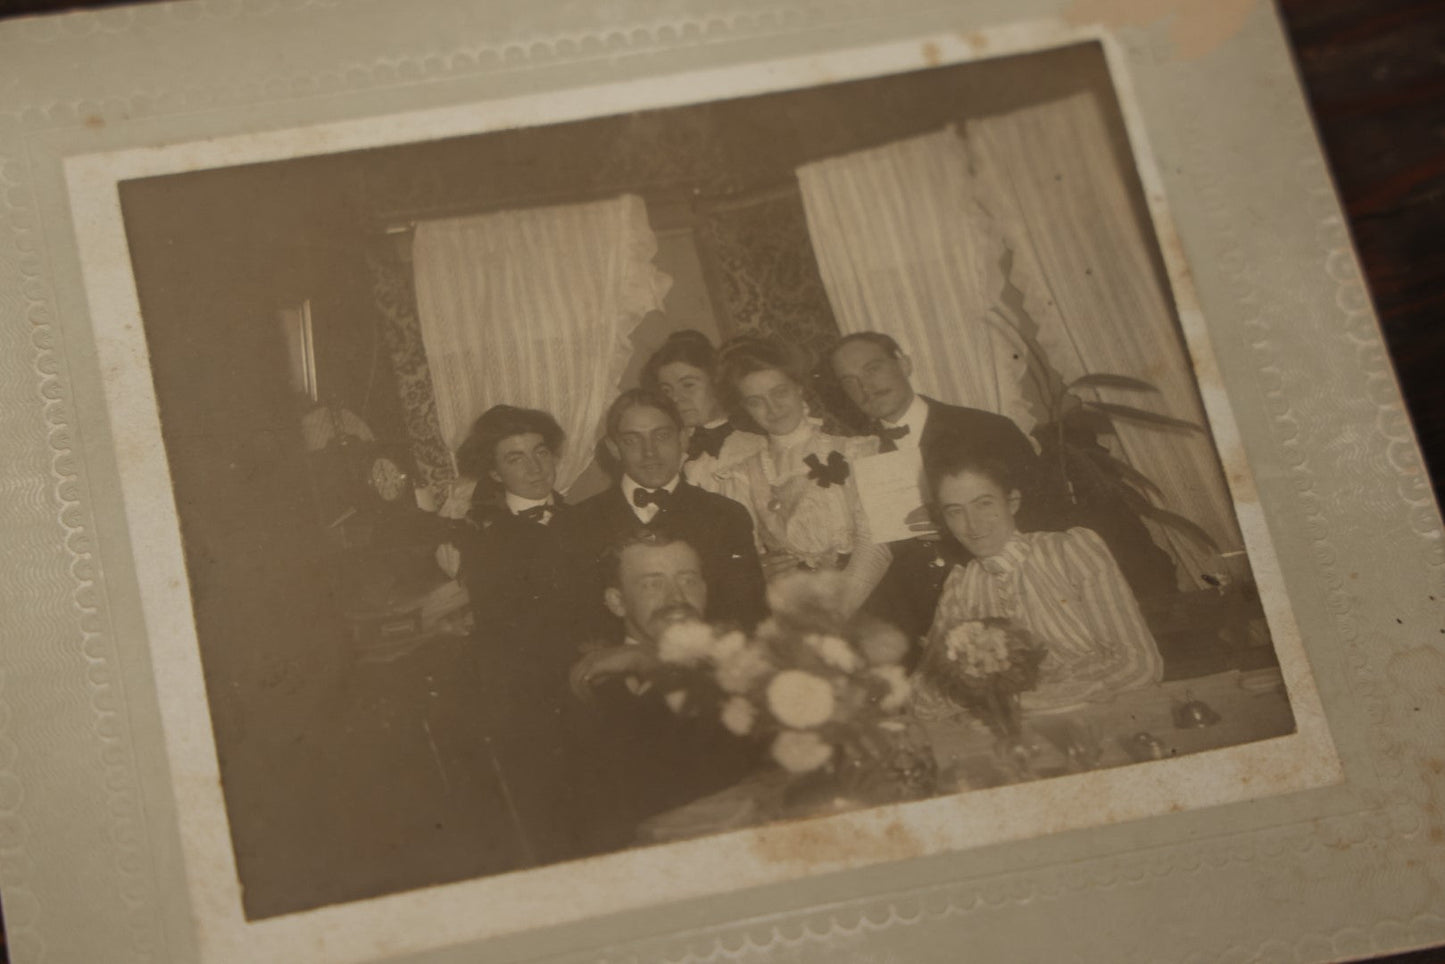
[[874, 372], [644, 435], [644, 752]]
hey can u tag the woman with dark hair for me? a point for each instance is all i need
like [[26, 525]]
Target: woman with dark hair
[[1063, 587], [520, 583], [684, 370], [799, 485]]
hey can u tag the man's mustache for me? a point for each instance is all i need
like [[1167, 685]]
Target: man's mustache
[[678, 612]]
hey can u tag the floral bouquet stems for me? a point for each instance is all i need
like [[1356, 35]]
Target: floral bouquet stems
[[984, 666], [827, 692]]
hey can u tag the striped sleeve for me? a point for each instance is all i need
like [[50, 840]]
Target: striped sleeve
[[1111, 611]]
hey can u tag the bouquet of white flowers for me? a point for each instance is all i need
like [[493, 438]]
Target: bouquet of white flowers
[[826, 692], [983, 666]]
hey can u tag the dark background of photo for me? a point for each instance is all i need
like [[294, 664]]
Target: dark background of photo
[[1376, 82]]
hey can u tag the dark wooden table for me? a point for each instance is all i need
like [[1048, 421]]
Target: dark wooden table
[[1375, 77]]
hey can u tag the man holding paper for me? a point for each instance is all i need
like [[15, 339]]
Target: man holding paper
[[874, 372]]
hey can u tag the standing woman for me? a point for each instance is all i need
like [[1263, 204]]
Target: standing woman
[[799, 485], [684, 369]]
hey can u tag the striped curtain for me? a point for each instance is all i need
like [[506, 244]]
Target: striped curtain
[[905, 248], [909, 238], [535, 308], [1053, 178]]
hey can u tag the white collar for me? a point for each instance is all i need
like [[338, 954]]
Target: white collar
[[517, 505], [717, 422], [630, 486], [806, 428]]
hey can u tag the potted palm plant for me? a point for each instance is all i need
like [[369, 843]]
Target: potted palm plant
[[1108, 494]]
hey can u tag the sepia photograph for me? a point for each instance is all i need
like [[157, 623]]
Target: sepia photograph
[[716, 480], [574, 488]]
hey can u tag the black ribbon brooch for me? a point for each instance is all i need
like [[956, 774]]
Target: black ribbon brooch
[[833, 472]]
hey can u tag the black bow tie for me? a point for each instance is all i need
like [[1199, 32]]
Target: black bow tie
[[708, 441], [888, 437], [642, 498], [538, 514]]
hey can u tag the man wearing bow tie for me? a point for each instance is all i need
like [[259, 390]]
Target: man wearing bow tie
[[708, 439], [520, 580], [874, 372], [644, 434], [512, 562]]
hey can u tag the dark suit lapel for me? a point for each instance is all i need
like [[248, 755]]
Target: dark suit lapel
[[685, 495], [619, 516], [931, 427]]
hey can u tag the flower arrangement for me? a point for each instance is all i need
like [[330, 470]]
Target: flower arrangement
[[982, 666], [825, 692]]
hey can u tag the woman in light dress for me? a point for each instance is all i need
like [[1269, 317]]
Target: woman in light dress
[[1063, 587], [799, 485]]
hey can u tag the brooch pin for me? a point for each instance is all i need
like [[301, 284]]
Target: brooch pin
[[833, 472]]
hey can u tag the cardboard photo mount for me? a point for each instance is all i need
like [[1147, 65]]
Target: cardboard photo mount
[[113, 834]]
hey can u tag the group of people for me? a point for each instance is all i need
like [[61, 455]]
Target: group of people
[[727, 474]]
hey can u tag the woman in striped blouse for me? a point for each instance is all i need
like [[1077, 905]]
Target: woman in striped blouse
[[1063, 587]]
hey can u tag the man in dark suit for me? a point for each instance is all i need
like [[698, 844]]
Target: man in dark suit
[[644, 434], [874, 373], [513, 563], [644, 752], [520, 581]]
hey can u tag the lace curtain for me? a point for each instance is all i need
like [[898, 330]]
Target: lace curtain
[[1053, 182], [912, 238], [535, 308], [905, 248]]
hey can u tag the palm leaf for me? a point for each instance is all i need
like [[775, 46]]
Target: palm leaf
[[1184, 525], [1140, 415], [1124, 470], [1085, 421], [1135, 499], [1165, 517], [1105, 380], [1080, 468]]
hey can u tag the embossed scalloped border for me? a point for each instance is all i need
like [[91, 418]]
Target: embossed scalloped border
[[735, 940], [86, 626], [512, 53]]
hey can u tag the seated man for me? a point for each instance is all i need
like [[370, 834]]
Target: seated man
[[644, 434], [874, 372], [643, 757]]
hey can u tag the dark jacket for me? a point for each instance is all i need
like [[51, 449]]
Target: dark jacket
[[717, 527], [643, 759], [516, 571], [521, 585], [1045, 504], [908, 594]]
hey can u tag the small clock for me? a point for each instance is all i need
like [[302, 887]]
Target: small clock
[[387, 478]]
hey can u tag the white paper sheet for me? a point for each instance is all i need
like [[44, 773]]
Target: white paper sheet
[[891, 488]]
